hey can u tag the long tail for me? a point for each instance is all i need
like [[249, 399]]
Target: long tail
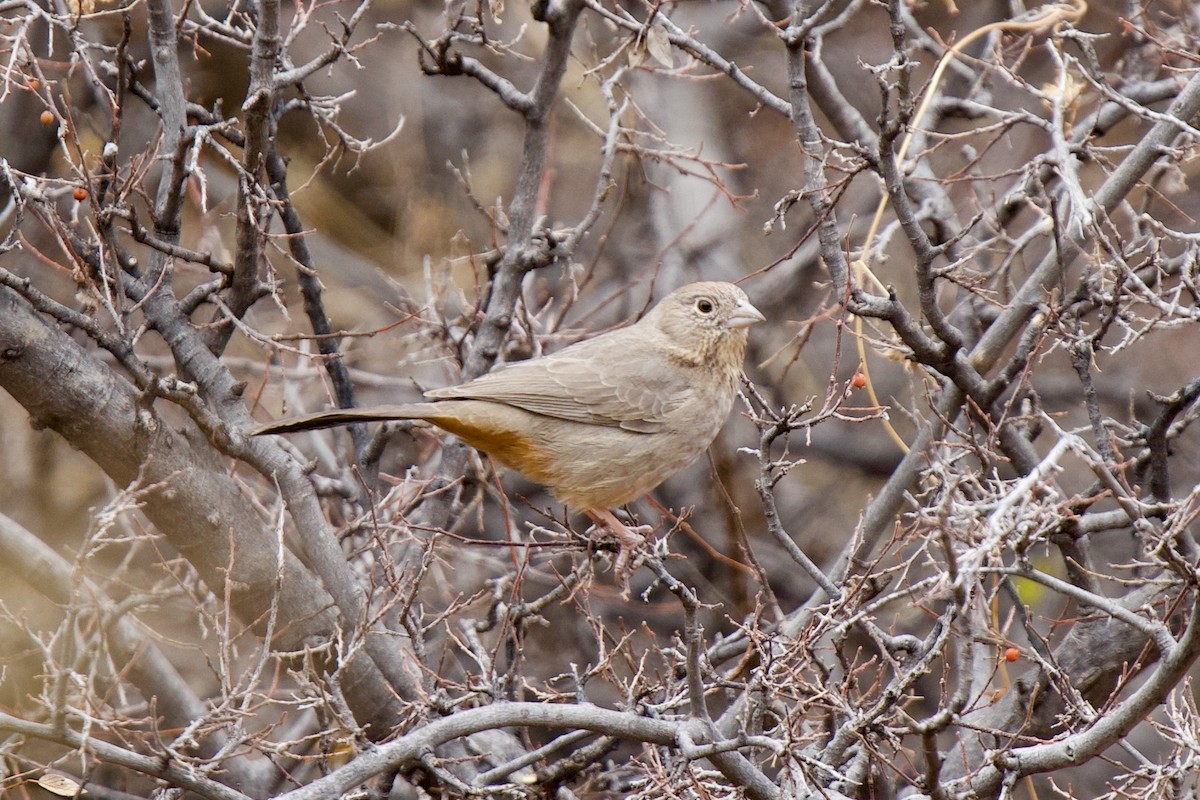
[[339, 416]]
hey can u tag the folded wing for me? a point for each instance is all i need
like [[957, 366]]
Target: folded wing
[[626, 386]]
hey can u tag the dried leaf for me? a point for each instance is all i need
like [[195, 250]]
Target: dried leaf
[[60, 785], [659, 46], [637, 53]]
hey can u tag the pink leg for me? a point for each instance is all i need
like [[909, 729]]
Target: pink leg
[[628, 541]]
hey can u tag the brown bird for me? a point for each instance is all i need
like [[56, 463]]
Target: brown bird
[[605, 420]]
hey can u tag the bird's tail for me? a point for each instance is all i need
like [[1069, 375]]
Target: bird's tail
[[344, 416]]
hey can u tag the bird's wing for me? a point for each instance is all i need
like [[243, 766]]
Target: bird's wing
[[612, 380]]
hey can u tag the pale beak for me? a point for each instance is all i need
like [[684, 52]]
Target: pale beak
[[745, 315]]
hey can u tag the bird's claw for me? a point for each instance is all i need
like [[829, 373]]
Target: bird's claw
[[629, 541]]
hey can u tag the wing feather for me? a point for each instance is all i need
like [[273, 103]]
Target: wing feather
[[623, 383]]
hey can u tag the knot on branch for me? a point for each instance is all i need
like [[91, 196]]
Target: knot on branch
[[537, 252], [435, 57], [449, 63], [559, 16]]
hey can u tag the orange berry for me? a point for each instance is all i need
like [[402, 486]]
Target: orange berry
[[858, 381], [34, 84], [80, 193], [1012, 654], [47, 117]]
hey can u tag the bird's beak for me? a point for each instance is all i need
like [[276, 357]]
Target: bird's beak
[[745, 315]]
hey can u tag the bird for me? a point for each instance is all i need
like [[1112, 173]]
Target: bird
[[603, 421]]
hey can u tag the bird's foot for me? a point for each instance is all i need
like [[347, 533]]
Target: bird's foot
[[629, 541]]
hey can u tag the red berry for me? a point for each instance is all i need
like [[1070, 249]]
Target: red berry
[[80, 193], [1012, 654], [858, 381]]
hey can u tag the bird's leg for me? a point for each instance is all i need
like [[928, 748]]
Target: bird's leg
[[628, 541]]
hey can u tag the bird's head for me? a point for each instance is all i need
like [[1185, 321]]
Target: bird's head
[[709, 319]]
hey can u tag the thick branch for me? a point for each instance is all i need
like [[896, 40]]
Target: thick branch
[[204, 512]]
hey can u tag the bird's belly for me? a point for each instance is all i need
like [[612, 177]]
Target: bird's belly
[[604, 467], [585, 466]]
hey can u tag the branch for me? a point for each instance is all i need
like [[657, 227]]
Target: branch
[[408, 750], [1152, 147], [155, 765], [1108, 728], [106, 418], [147, 667]]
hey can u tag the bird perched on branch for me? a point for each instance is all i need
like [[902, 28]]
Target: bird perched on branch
[[605, 420]]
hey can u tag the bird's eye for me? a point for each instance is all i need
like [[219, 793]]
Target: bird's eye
[[704, 305]]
